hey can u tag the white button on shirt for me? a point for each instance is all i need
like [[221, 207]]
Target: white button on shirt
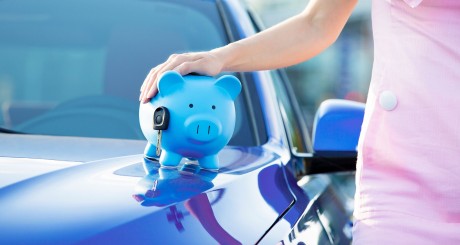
[[413, 3], [388, 100]]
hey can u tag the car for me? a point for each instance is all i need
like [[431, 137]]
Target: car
[[72, 168]]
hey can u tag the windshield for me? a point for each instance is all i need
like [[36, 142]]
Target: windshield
[[74, 68]]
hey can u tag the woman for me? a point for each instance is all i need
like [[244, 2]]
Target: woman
[[408, 170]]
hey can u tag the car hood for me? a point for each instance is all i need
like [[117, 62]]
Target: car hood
[[24, 156], [64, 148], [133, 200]]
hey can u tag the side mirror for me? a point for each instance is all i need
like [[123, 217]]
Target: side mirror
[[337, 127]]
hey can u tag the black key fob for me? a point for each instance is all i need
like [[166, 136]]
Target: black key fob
[[161, 118]]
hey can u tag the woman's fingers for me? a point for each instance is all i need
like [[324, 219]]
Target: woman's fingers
[[149, 81], [201, 62], [150, 89], [200, 66], [147, 84]]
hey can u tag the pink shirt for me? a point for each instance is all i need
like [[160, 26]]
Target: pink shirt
[[408, 172]]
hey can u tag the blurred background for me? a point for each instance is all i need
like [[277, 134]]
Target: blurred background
[[44, 63], [342, 71]]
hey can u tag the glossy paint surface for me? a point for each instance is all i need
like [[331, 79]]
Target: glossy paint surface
[[97, 202]]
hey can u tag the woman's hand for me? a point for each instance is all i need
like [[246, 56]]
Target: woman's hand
[[295, 40], [204, 63]]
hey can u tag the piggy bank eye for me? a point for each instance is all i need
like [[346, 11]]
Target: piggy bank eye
[[213, 107], [190, 105]]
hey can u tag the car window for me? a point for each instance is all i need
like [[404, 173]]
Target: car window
[[75, 67], [296, 129]]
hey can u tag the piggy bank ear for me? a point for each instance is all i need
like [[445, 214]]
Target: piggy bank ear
[[230, 84], [168, 81]]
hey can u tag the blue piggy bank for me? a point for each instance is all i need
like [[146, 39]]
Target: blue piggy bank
[[196, 115]]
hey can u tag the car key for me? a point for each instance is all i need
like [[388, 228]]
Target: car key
[[160, 123]]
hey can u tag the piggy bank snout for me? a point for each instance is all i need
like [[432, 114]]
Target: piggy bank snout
[[203, 129]]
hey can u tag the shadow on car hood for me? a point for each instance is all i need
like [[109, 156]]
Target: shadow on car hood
[[113, 201]]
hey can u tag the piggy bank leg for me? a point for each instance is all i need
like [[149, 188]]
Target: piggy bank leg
[[150, 151], [170, 158], [209, 162]]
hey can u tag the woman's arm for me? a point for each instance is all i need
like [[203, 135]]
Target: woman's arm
[[297, 39]]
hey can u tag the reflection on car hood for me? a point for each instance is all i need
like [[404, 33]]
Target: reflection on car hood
[[62, 148], [130, 200], [14, 170]]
